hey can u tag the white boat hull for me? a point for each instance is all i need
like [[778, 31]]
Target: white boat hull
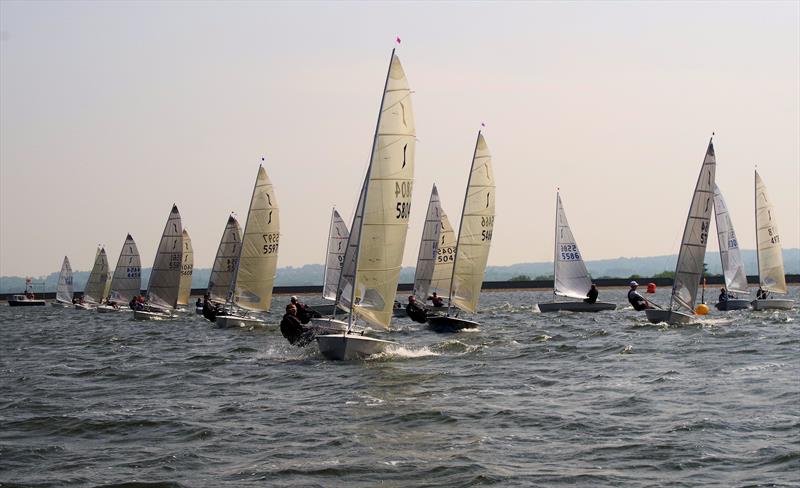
[[84, 306], [773, 304], [733, 304], [327, 325], [145, 315], [107, 309], [445, 323], [575, 306], [230, 321], [341, 347], [658, 316], [62, 304]]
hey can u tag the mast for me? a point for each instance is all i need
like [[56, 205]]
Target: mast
[[755, 210], [555, 246]]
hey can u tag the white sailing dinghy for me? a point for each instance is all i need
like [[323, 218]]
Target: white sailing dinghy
[[731, 257], [165, 277], [334, 258], [691, 256], [95, 288], [374, 253], [771, 276], [251, 288], [570, 276], [221, 278], [437, 250], [126, 282], [64, 289], [187, 264], [473, 243]]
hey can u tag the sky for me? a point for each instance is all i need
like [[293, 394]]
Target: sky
[[112, 111]]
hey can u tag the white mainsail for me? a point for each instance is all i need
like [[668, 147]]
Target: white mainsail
[[768, 242], [96, 285], [475, 231], [258, 255], [64, 289], [729, 254], [165, 278], [374, 254], [334, 258], [691, 256], [127, 280], [570, 276], [187, 264], [428, 246], [445, 256], [219, 283]]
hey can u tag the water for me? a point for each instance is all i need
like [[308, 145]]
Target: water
[[530, 399]]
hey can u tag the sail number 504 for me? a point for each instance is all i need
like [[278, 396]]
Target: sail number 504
[[271, 240]]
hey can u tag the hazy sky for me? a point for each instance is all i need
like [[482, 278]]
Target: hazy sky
[[112, 111]]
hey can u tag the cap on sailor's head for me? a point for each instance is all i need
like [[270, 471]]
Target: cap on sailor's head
[[293, 298], [633, 283]]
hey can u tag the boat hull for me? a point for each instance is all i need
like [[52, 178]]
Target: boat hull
[[327, 325], [26, 303], [341, 347], [145, 315], [773, 304], [575, 306], [61, 304], [733, 304], [84, 306], [108, 309], [445, 323], [231, 321], [657, 316]]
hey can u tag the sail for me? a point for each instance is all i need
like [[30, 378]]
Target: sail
[[732, 265], [126, 282], [429, 244], [692, 253], [475, 231], [219, 283], [186, 270], [64, 290], [258, 258], [165, 278], [337, 243], [768, 242], [571, 278], [445, 255], [380, 224], [96, 285]]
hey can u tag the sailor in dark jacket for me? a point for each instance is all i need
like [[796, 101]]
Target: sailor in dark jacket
[[592, 295], [415, 312], [293, 330], [637, 301]]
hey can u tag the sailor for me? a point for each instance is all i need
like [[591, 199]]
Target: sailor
[[198, 303], [304, 312], [761, 294], [415, 312], [637, 301], [723, 295], [592, 295], [436, 300], [293, 330], [209, 310]]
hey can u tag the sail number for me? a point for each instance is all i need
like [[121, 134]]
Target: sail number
[[271, 240], [568, 252], [446, 254], [186, 270], [175, 261], [488, 223], [134, 272], [774, 238], [402, 189], [704, 225], [403, 210]]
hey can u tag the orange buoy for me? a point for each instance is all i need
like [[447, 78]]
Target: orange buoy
[[701, 309], [651, 288]]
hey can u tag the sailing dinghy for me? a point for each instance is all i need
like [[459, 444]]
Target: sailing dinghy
[[126, 282], [95, 288], [374, 253], [691, 256], [187, 264], [771, 276], [437, 250], [64, 289], [570, 276], [221, 278], [165, 277], [334, 258], [251, 287], [473, 243], [731, 257]]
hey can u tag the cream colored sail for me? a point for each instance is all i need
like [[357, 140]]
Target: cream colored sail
[[127, 281], [689, 270], [165, 278], [770, 258], [729, 254], [64, 289], [337, 243], [428, 246], [445, 256], [570, 276], [187, 265], [219, 283], [96, 285], [380, 224], [258, 258], [475, 231]]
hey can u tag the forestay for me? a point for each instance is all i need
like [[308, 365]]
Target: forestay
[[334, 258], [164, 283], [731, 257], [126, 282], [258, 258], [221, 278], [695, 236], [187, 265], [96, 285], [475, 231], [428, 246], [64, 289], [770, 259], [571, 278], [380, 224]]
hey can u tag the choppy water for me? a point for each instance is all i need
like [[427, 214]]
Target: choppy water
[[530, 399]]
